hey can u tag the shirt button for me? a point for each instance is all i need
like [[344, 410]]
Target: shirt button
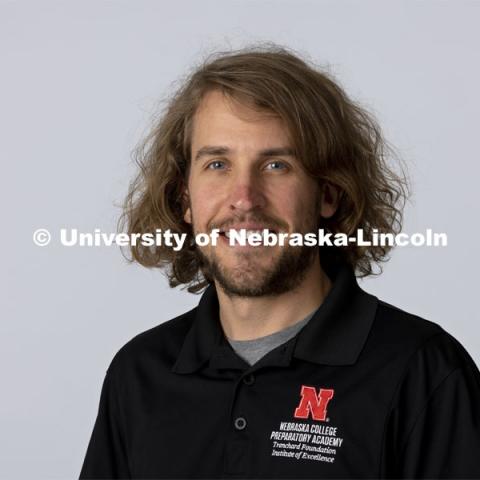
[[240, 423], [249, 379]]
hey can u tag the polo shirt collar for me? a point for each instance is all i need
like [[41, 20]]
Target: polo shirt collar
[[335, 335], [204, 335], [338, 331]]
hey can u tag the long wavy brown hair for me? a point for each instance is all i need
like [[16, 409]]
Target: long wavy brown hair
[[335, 138]]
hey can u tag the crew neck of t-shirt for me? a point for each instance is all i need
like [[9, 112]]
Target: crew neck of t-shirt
[[254, 349]]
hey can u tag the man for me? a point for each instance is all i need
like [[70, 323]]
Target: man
[[286, 369]]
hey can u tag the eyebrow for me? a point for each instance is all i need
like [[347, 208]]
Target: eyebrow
[[210, 150]]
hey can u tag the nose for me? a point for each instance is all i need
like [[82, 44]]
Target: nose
[[246, 193]]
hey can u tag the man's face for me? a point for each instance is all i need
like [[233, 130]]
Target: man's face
[[243, 174]]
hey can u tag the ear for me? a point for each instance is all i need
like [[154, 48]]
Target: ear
[[187, 216], [329, 199]]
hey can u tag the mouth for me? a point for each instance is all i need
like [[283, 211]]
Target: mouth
[[247, 231], [240, 234]]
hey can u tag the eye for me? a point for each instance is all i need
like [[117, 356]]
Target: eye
[[276, 165], [216, 165]]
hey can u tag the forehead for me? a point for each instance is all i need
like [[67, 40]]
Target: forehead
[[220, 118]]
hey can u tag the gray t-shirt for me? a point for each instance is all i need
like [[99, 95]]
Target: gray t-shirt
[[253, 350]]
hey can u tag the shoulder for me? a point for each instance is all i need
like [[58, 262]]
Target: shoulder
[[433, 393], [408, 329], [414, 349], [422, 353], [407, 334], [159, 345]]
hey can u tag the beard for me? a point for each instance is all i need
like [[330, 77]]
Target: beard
[[249, 279], [254, 275]]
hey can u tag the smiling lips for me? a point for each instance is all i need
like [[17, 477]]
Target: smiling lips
[[248, 230]]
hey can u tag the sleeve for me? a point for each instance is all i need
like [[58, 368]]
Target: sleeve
[[106, 455], [438, 415]]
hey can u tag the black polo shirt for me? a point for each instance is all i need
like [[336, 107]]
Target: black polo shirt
[[364, 390]]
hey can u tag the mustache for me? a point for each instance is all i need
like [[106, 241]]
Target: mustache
[[269, 222]]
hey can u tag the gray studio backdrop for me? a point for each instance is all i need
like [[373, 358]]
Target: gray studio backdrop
[[79, 83]]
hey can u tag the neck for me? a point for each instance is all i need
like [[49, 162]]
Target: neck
[[247, 318]]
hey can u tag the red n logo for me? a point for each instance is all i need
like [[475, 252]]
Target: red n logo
[[313, 403]]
